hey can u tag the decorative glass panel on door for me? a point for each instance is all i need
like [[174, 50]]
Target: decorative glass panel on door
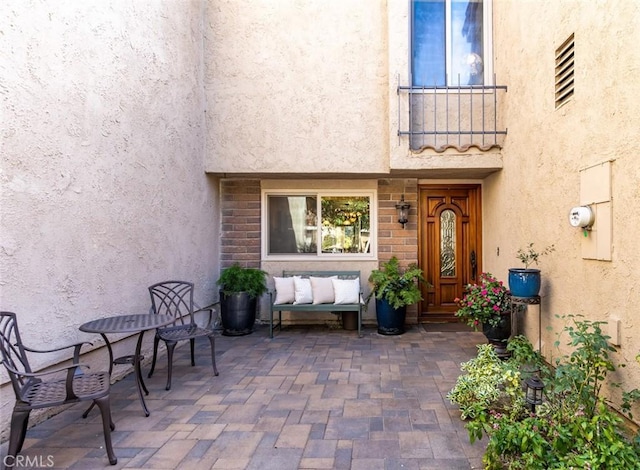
[[448, 243]]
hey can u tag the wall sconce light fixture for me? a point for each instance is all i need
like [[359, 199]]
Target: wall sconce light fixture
[[403, 211], [533, 394]]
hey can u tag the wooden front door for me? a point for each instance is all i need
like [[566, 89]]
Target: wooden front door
[[450, 246]]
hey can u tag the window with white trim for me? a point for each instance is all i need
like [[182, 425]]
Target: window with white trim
[[450, 43], [318, 224]]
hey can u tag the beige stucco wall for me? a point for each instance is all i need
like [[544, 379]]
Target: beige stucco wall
[[296, 87], [103, 189], [529, 201]]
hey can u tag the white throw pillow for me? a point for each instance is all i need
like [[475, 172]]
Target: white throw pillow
[[303, 292], [285, 290], [346, 291], [322, 289]]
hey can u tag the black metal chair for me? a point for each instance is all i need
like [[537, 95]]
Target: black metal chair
[[175, 298], [33, 391]]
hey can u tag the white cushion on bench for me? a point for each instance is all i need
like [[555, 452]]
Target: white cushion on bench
[[346, 291], [285, 290], [322, 289], [303, 292]]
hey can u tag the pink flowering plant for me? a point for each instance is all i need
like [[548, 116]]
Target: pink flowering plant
[[484, 303]]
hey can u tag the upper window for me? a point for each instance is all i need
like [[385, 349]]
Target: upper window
[[318, 224], [450, 42]]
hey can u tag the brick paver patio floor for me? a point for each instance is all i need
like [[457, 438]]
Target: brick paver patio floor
[[310, 398]]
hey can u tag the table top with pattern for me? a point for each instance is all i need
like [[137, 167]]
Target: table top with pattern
[[127, 323]]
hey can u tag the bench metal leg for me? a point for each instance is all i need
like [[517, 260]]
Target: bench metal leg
[[272, 326]]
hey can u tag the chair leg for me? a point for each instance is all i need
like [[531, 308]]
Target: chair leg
[[170, 347], [156, 340], [107, 425], [212, 340], [193, 346], [19, 422], [86, 413]]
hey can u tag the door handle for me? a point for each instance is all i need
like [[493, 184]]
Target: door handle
[[474, 265]]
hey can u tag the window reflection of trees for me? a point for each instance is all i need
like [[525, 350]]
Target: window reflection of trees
[[294, 227], [345, 224]]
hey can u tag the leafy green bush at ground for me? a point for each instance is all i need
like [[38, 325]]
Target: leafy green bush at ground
[[574, 428]]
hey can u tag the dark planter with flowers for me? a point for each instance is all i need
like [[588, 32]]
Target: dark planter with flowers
[[498, 334], [487, 305]]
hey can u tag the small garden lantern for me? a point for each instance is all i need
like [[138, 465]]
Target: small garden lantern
[[403, 211], [534, 387]]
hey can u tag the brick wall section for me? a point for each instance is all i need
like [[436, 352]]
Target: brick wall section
[[240, 237], [392, 238]]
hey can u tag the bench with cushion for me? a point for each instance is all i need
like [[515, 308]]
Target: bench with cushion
[[316, 291]]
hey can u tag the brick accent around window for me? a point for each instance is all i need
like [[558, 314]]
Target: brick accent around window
[[240, 231], [240, 237]]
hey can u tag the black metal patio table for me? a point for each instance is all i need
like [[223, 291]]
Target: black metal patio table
[[127, 324]]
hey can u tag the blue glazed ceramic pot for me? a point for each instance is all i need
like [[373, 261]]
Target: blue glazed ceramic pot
[[524, 282]]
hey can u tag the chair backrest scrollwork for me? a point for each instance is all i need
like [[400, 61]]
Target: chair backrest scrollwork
[[14, 356], [174, 298]]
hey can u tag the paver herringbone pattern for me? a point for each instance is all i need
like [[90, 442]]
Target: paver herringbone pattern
[[310, 398]]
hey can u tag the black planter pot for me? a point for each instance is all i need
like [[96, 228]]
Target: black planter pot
[[238, 313], [390, 320], [498, 336]]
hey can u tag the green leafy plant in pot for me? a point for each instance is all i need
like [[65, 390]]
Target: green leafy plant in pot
[[394, 289], [240, 289], [525, 282], [487, 305]]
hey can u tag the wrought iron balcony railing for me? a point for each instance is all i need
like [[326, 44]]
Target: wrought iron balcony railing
[[458, 117]]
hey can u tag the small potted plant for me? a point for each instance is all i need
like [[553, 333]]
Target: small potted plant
[[525, 282], [240, 289], [394, 289], [487, 305]]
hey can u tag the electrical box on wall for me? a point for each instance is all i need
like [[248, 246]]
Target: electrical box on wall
[[594, 215]]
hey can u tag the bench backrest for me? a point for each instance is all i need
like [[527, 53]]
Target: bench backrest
[[339, 274]]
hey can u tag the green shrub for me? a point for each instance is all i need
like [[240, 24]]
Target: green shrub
[[574, 428], [399, 287], [236, 279]]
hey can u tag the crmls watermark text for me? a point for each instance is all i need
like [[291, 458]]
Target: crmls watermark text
[[26, 461]]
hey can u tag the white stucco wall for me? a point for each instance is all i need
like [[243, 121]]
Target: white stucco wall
[[296, 87], [529, 201], [103, 189]]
